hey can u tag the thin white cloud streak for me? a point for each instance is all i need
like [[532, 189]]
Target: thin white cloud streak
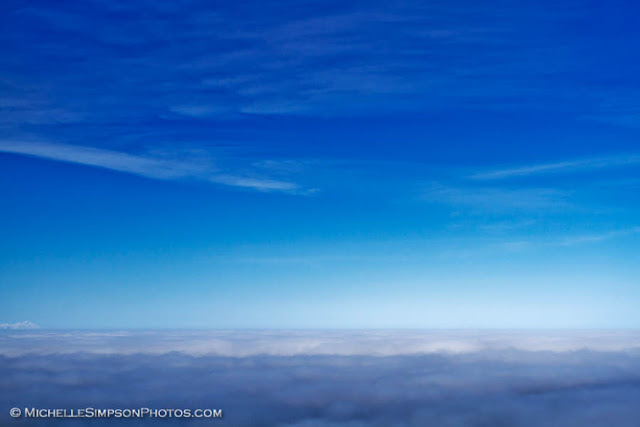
[[122, 162], [148, 166], [497, 199], [579, 165], [595, 238], [256, 184], [575, 240]]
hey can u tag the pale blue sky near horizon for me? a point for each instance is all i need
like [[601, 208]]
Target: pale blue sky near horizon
[[320, 164]]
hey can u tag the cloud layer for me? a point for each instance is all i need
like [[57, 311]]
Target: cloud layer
[[485, 383], [310, 343]]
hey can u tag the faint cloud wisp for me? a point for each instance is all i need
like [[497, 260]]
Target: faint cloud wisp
[[571, 166], [147, 165]]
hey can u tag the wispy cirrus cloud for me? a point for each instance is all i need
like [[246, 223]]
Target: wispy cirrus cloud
[[143, 165], [497, 199], [153, 166], [569, 166], [284, 62], [261, 184], [598, 237], [576, 239]]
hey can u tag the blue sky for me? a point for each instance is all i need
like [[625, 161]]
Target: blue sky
[[320, 164]]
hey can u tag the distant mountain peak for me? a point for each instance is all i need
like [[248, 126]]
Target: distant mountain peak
[[19, 325]]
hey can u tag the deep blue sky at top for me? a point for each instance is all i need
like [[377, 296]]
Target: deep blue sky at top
[[320, 164]]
